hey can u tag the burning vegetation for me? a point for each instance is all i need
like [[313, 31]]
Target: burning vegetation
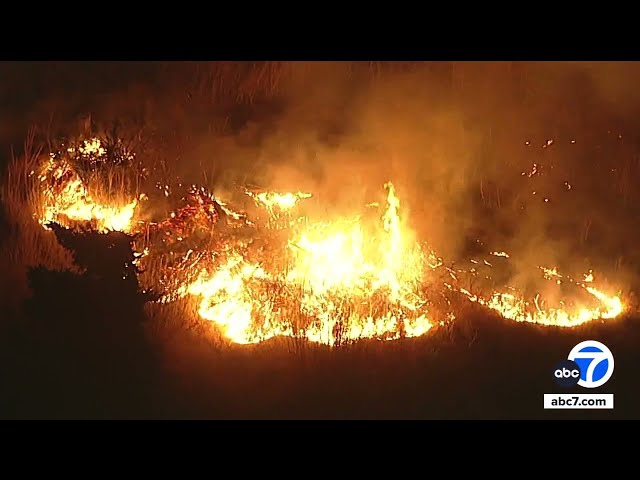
[[66, 177], [282, 271]]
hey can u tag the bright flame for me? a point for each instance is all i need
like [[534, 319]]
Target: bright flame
[[92, 147], [275, 200], [342, 282], [280, 206], [330, 282], [514, 307], [66, 200], [346, 280], [227, 301]]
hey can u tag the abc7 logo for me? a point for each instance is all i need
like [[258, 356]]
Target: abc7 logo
[[589, 365]]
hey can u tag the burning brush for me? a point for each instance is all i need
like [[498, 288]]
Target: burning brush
[[64, 180], [280, 272], [192, 235], [331, 283], [280, 206]]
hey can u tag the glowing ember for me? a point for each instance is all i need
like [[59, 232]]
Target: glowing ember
[[91, 147]]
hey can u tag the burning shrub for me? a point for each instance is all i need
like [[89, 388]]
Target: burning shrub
[[281, 272], [325, 282], [94, 180]]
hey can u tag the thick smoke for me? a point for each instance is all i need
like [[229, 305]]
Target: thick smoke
[[536, 159], [513, 156], [344, 132]]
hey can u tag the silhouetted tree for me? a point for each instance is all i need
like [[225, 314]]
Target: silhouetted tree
[[85, 335]]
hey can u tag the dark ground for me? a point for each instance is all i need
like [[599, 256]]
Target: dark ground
[[81, 347], [503, 375]]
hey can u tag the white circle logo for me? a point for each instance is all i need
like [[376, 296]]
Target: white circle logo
[[595, 361]]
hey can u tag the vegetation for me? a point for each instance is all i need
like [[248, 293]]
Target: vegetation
[[71, 348]]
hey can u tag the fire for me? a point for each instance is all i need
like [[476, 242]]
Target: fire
[[227, 300], [65, 197], [341, 281], [279, 205], [514, 307], [92, 146], [329, 282], [278, 201], [66, 200]]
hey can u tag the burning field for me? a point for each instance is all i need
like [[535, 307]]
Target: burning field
[[314, 239], [272, 265]]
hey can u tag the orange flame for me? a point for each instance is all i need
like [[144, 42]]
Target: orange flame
[[331, 282], [514, 307], [336, 287], [66, 200]]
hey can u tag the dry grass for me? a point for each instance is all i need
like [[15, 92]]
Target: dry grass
[[27, 244], [226, 82], [236, 82]]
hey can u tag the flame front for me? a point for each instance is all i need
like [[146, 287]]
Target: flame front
[[341, 281], [66, 199], [514, 307], [277, 200], [329, 282], [227, 300]]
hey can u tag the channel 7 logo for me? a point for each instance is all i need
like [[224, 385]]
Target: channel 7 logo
[[589, 364]]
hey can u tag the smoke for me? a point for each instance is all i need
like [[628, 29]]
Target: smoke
[[565, 200], [457, 139], [609, 87], [344, 133], [495, 152], [504, 160]]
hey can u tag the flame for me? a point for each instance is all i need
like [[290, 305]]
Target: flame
[[514, 307], [279, 205], [344, 280], [328, 282], [66, 199], [341, 282], [227, 301], [92, 146], [276, 200]]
